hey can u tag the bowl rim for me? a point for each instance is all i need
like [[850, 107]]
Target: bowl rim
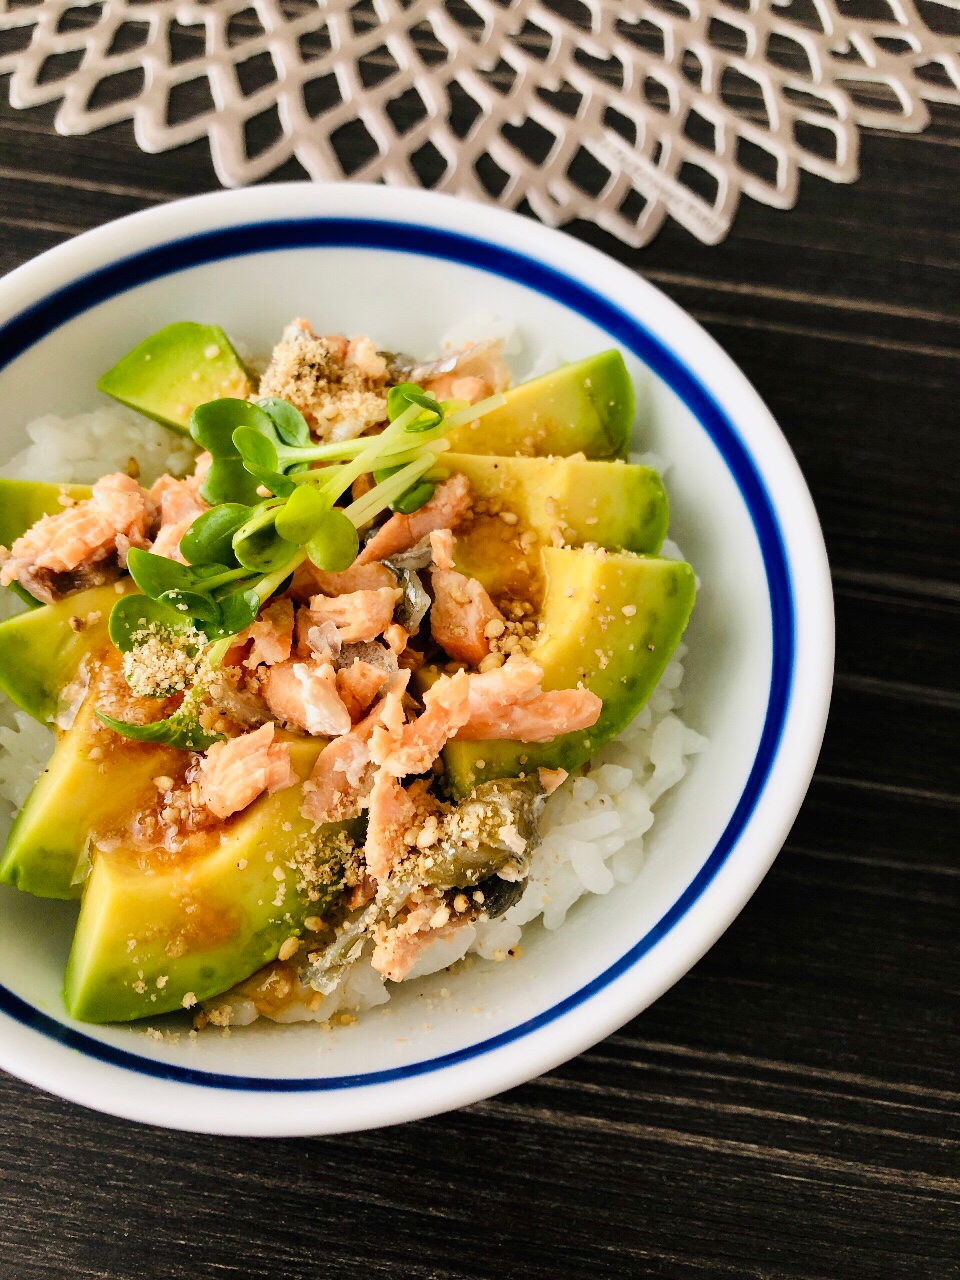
[[71, 278]]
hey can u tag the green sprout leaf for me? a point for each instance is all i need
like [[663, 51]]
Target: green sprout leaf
[[182, 730], [212, 426], [400, 398], [237, 611], [156, 574], [289, 422], [256, 448], [417, 496], [133, 618], [191, 604], [334, 544], [262, 549], [298, 519], [209, 540], [260, 458]]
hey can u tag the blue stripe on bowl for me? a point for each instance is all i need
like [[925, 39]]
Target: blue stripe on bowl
[[40, 319]]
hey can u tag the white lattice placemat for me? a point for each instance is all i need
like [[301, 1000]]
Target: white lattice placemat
[[618, 111]]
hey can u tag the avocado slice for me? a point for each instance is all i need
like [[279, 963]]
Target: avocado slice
[[22, 504], [617, 505], [41, 651], [585, 407], [583, 613], [157, 928], [174, 370], [93, 778]]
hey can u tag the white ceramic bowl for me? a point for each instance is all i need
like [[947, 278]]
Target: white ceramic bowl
[[404, 266]]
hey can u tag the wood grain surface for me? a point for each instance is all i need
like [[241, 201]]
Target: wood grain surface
[[791, 1109]]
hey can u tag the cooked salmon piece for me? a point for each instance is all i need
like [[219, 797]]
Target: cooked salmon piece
[[536, 718], [399, 948], [359, 684], [550, 779], [357, 615], [517, 678], [395, 638], [232, 774], [390, 812], [309, 580], [80, 540], [478, 371], [441, 545], [507, 703], [304, 695], [344, 772], [446, 707], [180, 503], [460, 616], [447, 386], [272, 634], [448, 507]]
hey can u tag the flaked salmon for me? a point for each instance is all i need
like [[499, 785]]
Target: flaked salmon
[[478, 371], [309, 580], [461, 615], [358, 685], [78, 547], [395, 638], [448, 507], [271, 634], [179, 503], [446, 707], [304, 695], [390, 812], [441, 547], [550, 779], [357, 615], [536, 719], [508, 703], [232, 774], [344, 772], [398, 949]]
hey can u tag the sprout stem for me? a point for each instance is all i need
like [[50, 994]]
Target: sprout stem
[[372, 503], [474, 411]]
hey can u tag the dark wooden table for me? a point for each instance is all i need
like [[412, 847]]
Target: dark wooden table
[[792, 1107]]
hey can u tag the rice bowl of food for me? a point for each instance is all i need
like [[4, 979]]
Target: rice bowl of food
[[413, 657]]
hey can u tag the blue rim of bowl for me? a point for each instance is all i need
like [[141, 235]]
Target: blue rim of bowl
[[35, 322]]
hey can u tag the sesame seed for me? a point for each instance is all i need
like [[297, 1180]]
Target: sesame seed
[[289, 949]]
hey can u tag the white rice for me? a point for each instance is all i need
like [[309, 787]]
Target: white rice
[[82, 449], [586, 847]]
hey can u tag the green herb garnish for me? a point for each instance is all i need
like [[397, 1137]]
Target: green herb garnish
[[245, 548]]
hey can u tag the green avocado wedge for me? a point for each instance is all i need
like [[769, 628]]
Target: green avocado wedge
[[586, 407], [616, 505], [586, 635], [22, 504], [93, 778], [174, 370], [41, 651], [161, 931]]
